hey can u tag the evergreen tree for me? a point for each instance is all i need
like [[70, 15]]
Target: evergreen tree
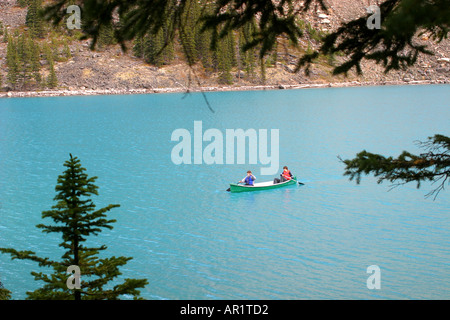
[[54, 48], [25, 51], [203, 38], [51, 53], [231, 49], [76, 218], [188, 30], [248, 56], [52, 79], [5, 294], [156, 49], [262, 64], [12, 62], [5, 35], [47, 52], [106, 36], [138, 47], [34, 20], [225, 60], [151, 49], [66, 50], [35, 66], [22, 59], [204, 52], [272, 58]]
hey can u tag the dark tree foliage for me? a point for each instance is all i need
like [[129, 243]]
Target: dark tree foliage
[[141, 17], [273, 19], [5, 294], [395, 45], [432, 166]]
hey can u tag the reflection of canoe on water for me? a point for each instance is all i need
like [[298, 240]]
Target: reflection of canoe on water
[[234, 187]]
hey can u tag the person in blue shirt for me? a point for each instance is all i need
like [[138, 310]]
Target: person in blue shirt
[[248, 180]]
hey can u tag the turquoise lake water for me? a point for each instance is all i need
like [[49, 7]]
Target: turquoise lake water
[[193, 240]]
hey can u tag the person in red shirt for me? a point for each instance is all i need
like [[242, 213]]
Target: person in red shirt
[[284, 176]]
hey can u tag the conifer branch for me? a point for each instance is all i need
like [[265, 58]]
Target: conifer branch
[[433, 166]]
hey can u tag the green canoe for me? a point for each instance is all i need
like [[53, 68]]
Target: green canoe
[[234, 187]]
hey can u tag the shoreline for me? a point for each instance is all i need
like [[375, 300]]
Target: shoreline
[[90, 92]]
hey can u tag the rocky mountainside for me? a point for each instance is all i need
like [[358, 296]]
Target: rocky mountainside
[[112, 71]]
